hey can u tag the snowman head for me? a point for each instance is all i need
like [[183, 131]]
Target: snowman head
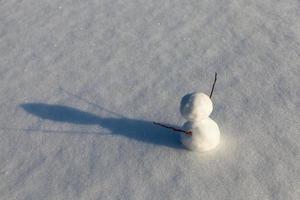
[[196, 106]]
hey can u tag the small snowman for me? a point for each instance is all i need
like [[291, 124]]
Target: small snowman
[[200, 132], [196, 108]]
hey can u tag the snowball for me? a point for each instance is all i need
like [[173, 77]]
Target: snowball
[[196, 106], [205, 135]]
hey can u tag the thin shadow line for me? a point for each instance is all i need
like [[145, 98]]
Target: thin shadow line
[[91, 103]]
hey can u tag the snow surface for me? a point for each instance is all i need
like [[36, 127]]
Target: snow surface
[[81, 82]]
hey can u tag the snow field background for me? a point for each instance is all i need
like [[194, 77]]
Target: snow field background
[[82, 81]]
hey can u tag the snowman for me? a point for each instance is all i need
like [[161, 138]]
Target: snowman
[[200, 132], [196, 108], [205, 133]]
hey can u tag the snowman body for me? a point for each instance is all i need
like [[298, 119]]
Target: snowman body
[[196, 108]]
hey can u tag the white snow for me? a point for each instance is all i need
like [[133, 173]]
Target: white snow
[[196, 106], [82, 81], [205, 135]]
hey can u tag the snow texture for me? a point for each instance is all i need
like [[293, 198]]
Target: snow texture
[[81, 82]]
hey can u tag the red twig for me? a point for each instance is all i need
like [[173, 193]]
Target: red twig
[[174, 129]]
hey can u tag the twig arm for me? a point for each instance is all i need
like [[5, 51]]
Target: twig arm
[[174, 129]]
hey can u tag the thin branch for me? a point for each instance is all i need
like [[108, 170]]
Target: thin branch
[[213, 87], [174, 129]]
